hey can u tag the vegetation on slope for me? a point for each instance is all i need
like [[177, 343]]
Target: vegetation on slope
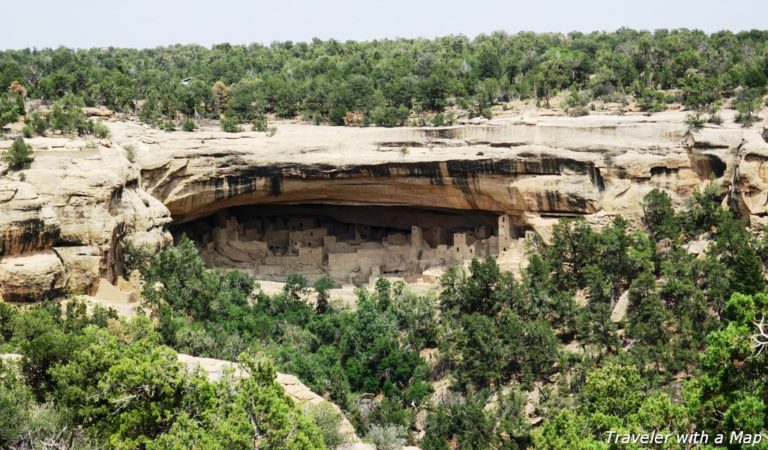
[[384, 82], [681, 360], [92, 381], [665, 367]]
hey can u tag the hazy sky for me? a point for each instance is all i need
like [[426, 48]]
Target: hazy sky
[[149, 23]]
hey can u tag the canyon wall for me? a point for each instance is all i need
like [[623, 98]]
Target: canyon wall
[[63, 222]]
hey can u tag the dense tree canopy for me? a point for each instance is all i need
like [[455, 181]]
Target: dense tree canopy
[[90, 381], [383, 81]]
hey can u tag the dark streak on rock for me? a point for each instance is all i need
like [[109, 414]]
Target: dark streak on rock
[[463, 174], [276, 185]]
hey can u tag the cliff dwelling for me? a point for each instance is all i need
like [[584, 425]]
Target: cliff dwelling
[[351, 244]]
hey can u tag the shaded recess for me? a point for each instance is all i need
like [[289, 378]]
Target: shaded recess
[[422, 184], [348, 243], [706, 165]]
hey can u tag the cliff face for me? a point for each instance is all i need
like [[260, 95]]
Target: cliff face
[[464, 184], [76, 206], [62, 221], [533, 169]]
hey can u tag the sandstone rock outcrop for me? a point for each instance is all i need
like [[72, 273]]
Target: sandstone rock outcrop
[[77, 205], [31, 277], [529, 168], [80, 201], [296, 390]]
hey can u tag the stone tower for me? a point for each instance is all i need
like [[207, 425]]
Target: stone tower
[[417, 237], [505, 233]]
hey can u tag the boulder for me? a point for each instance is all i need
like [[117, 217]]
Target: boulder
[[81, 267], [619, 312], [31, 277], [99, 112]]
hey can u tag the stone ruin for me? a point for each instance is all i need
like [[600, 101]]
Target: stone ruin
[[273, 246]]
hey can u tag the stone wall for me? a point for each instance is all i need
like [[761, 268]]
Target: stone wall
[[274, 247]]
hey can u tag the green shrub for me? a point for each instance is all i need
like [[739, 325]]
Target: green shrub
[[130, 153], [67, 115], [578, 111], [296, 286], [746, 119], [387, 437], [230, 124], [715, 119], [149, 112], [443, 119], [19, 156], [38, 123], [327, 420], [169, 125], [694, 120], [651, 101], [747, 103], [322, 287], [136, 256], [576, 103], [27, 131], [390, 116], [659, 216], [11, 108], [704, 212], [16, 401], [100, 130], [418, 392], [188, 125], [260, 123]]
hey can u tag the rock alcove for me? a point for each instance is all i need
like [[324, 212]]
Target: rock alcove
[[349, 243]]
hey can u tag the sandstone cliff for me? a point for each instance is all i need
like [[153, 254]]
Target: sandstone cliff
[[63, 222]]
